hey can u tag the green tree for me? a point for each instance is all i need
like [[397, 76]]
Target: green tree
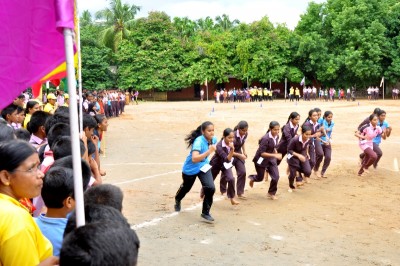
[[118, 18]]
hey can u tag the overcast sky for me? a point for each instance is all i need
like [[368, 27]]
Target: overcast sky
[[278, 11]]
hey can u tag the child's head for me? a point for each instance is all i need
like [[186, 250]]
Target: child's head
[[6, 133], [319, 112], [105, 194], [37, 123], [228, 135], [102, 122], [382, 115], [328, 115], [58, 188], [305, 132], [62, 147], [31, 107], [274, 128], [294, 118], [58, 130], [243, 127], [20, 115], [9, 113], [66, 162], [100, 244], [89, 124], [22, 133], [313, 115]]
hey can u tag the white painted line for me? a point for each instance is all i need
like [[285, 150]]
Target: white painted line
[[146, 177], [117, 164], [156, 221], [275, 237]]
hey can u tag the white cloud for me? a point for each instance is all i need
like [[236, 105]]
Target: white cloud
[[278, 11]]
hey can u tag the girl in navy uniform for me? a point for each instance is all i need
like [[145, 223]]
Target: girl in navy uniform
[[202, 143], [222, 161], [298, 159], [266, 158], [288, 132], [325, 144], [312, 122], [240, 156]]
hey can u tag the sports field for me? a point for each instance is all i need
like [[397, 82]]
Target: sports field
[[341, 220]]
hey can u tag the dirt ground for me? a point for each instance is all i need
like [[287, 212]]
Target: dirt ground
[[341, 220]]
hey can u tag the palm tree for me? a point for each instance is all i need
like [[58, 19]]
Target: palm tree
[[224, 23], [86, 18], [185, 27], [205, 24], [118, 17]]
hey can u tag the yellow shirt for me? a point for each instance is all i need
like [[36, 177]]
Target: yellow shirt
[[65, 104], [21, 240], [291, 91], [48, 108], [26, 120], [297, 92]]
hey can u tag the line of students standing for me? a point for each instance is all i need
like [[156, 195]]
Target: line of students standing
[[305, 151]]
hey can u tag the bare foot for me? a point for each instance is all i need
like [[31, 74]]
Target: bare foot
[[317, 174], [234, 202], [251, 183]]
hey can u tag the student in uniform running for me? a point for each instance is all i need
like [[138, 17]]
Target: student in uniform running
[[386, 129], [298, 159], [366, 135], [325, 144], [312, 122], [202, 143], [288, 132], [266, 158], [240, 156], [222, 161]]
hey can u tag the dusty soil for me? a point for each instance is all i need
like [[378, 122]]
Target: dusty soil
[[341, 220]]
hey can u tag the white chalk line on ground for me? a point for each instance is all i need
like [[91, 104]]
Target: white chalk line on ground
[[118, 164], [146, 177], [157, 220]]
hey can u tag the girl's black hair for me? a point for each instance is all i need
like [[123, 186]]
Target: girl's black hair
[[376, 110], [372, 116], [189, 139], [99, 119], [272, 124], [30, 105], [13, 153], [381, 112], [305, 128], [241, 125], [317, 109], [292, 115], [226, 132], [327, 113], [309, 115]]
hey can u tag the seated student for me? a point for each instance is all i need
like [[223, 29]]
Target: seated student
[[9, 114], [103, 243], [36, 127], [58, 196], [23, 134], [105, 194]]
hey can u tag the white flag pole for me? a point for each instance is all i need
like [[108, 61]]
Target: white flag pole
[[383, 94], [78, 47], [73, 118]]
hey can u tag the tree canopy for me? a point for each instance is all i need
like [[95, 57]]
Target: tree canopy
[[336, 43]]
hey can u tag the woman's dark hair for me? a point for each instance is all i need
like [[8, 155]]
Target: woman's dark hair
[[30, 105], [272, 124], [226, 132], [13, 153], [309, 115], [196, 133], [327, 113], [381, 112], [241, 125], [305, 128], [99, 119], [376, 110], [292, 115], [6, 133], [372, 117]]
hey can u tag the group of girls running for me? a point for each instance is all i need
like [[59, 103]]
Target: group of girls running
[[305, 152], [370, 134]]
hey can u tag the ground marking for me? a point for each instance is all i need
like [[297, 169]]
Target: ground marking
[[157, 220], [146, 177], [117, 164]]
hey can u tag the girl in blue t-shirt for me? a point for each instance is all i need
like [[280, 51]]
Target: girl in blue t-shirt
[[325, 144], [197, 164]]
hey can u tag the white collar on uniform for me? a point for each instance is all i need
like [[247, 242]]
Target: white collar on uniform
[[275, 139]]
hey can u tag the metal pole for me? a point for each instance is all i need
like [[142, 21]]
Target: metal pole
[[73, 109], [78, 46]]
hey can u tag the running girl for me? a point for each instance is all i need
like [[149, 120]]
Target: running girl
[[325, 144], [222, 161], [312, 122], [298, 158], [366, 135], [266, 158], [288, 132], [202, 143]]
